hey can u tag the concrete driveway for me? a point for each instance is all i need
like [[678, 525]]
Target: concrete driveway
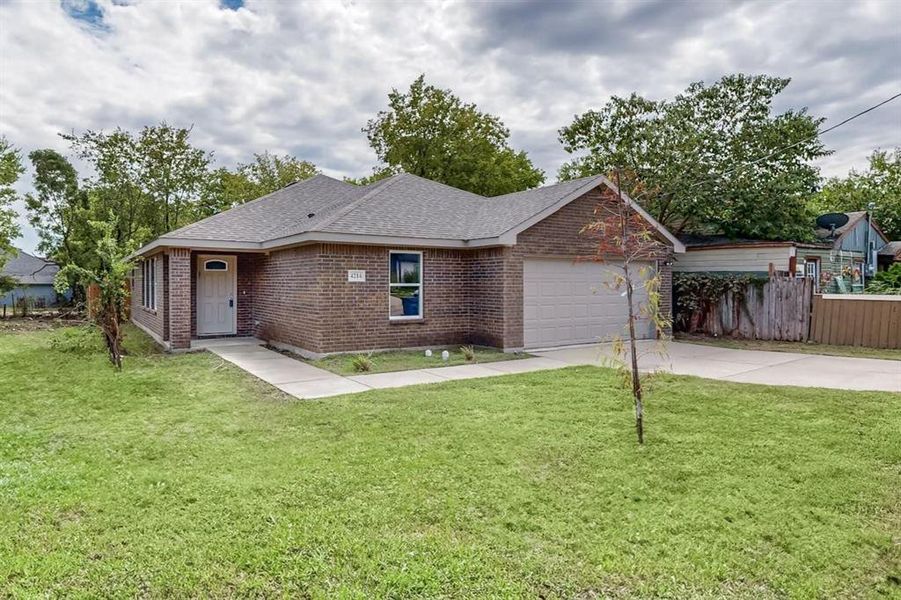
[[303, 380], [752, 366]]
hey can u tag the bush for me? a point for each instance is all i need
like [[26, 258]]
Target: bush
[[886, 282], [469, 353], [362, 363], [85, 339]]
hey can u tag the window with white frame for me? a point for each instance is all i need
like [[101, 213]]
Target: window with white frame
[[405, 285], [148, 280]]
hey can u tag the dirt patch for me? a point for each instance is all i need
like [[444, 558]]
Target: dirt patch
[[39, 323]]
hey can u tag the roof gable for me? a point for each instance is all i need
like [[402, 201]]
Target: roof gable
[[28, 269], [401, 207]]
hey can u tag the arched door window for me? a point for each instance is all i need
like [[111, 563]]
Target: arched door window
[[215, 265]]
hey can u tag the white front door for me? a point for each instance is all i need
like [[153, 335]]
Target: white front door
[[216, 295], [567, 303]]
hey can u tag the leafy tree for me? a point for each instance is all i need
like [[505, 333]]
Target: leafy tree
[[111, 277], [430, 132], [151, 181], [880, 184], [377, 175], [266, 174], [58, 208], [712, 160], [10, 169]]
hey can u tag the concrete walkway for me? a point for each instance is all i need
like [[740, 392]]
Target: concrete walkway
[[303, 380]]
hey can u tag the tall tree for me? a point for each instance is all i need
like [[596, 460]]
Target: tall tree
[[264, 175], [10, 169], [880, 185], [430, 132], [57, 207], [713, 160], [151, 181]]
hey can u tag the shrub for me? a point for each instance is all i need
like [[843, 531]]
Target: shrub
[[886, 282], [469, 353], [84, 339], [362, 363]]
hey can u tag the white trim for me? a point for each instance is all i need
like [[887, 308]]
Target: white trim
[[890, 297], [421, 286], [201, 262], [215, 260]]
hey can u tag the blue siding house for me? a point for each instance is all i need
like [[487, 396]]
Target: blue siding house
[[34, 276]]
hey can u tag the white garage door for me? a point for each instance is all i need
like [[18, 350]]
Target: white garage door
[[567, 303]]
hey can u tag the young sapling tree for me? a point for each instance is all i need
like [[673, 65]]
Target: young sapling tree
[[625, 242]]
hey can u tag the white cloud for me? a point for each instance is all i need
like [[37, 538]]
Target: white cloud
[[304, 78]]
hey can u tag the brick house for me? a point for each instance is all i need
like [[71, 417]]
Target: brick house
[[322, 266]]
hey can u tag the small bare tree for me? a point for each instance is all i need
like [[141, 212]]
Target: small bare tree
[[623, 238]]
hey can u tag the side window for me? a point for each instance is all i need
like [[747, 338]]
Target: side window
[[148, 283], [405, 285]]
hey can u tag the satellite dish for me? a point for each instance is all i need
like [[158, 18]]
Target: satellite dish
[[831, 221]]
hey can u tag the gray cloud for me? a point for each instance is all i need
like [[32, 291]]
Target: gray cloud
[[304, 78]]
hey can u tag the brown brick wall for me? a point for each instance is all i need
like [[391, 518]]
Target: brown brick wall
[[357, 313], [286, 293], [154, 320], [485, 295], [179, 305]]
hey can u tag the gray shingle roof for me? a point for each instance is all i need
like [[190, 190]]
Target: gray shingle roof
[[30, 270], [402, 206]]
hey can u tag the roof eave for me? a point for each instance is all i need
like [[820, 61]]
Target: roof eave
[[318, 237]]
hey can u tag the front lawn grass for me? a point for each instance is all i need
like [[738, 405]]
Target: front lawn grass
[[799, 347], [404, 360], [183, 476]]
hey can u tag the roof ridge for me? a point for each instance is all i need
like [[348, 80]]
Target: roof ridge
[[442, 184], [191, 226], [545, 187], [356, 203]]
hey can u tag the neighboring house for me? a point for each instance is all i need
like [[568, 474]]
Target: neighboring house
[[323, 266], [889, 255], [34, 278], [838, 261]]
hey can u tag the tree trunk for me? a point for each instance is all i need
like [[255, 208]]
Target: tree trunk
[[633, 347]]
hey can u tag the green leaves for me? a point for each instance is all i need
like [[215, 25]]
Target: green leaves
[[10, 169], [686, 159], [431, 133], [266, 174], [880, 184]]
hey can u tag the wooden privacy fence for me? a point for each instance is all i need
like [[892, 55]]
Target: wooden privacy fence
[[777, 310], [845, 320]]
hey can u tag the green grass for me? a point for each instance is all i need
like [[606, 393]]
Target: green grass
[[182, 476], [799, 347], [404, 360]]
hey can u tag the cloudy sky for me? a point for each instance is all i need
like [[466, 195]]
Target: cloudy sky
[[303, 77]]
